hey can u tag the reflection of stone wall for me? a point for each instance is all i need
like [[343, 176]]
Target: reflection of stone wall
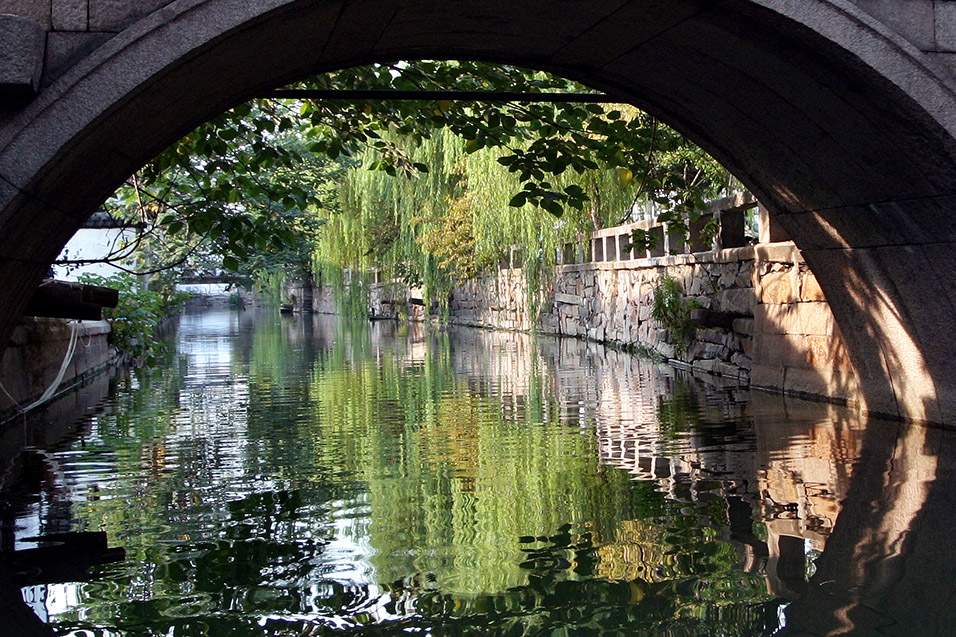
[[787, 474], [791, 480], [804, 469]]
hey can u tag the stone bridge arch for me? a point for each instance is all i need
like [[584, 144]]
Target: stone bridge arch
[[842, 121]]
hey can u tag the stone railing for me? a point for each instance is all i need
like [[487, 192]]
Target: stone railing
[[615, 244]]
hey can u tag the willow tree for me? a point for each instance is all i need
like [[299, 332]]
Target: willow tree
[[223, 190], [461, 217]]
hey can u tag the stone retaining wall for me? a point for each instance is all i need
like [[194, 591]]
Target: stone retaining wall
[[782, 335], [36, 351], [779, 333], [798, 346]]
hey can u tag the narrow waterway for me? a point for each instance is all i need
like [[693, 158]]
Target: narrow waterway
[[306, 475]]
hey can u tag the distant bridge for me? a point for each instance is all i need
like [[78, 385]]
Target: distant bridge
[[215, 280]]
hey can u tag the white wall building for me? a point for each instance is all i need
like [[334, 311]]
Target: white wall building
[[100, 236]]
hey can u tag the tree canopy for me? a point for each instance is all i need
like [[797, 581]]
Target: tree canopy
[[429, 190]]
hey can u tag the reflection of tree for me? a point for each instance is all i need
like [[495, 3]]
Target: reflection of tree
[[472, 502], [551, 602], [461, 483]]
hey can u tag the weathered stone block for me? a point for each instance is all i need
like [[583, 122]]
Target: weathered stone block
[[810, 288], [744, 326], [737, 301], [22, 47], [568, 299], [727, 370], [822, 382], [728, 276], [36, 10], [786, 350], [70, 15], [747, 346], [827, 352], [812, 317], [775, 287], [709, 335], [912, 19], [65, 49], [731, 341], [745, 275], [742, 361], [114, 15], [766, 376], [784, 252], [710, 351], [665, 349]]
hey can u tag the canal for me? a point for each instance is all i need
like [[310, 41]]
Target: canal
[[309, 475]]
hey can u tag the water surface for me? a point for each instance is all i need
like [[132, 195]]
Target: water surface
[[306, 475]]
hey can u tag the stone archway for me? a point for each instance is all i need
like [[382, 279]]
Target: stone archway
[[843, 128]]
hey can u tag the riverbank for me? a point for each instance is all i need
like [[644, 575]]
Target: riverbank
[[40, 348], [762, 320]]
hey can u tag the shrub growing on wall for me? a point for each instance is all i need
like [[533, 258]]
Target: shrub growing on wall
[[672, 312]]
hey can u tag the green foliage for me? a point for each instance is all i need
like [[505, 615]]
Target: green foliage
[[137, 316], [451, 239], [428, 193], [642, 240], [672, 312], [270, 284], [255, 183], [454, 223]]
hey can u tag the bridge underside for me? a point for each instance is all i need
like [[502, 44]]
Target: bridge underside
[[840, 126]]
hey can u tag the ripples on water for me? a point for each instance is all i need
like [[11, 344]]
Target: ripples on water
[[303, 476]]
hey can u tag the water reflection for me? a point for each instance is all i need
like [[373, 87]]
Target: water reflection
[[303, 476]]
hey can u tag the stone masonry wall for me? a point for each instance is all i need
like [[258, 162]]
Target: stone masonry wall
[[71, 29], [35, 354], [781, 334], [798, 346], [611, 302]]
